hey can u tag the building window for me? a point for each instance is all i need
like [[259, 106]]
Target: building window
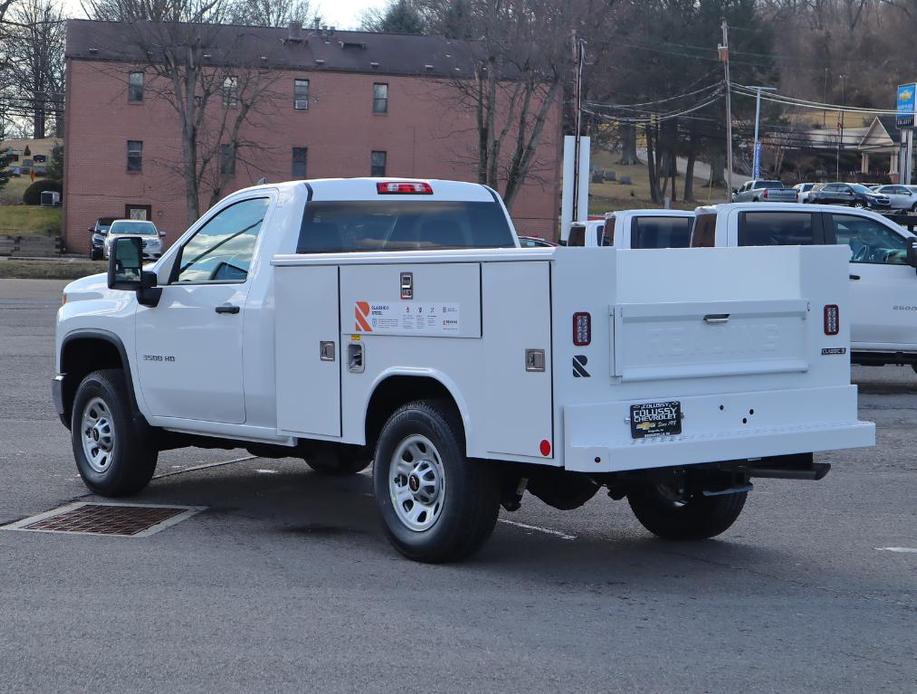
[[135, 155], [135, 87], [231, 92], [299, 162], [227, 160], [301, 95], [377, 164], [380, 98]]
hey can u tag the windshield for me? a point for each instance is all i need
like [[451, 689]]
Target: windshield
[[131, 226]]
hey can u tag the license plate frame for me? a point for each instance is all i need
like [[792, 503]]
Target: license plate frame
[[652, 419]]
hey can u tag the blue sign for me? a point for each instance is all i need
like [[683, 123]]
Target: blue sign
[[905, 106]]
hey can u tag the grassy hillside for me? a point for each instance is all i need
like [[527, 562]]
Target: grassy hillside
[[612, 195], [26, 220]]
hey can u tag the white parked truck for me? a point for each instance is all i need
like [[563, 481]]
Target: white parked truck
[[647, 228], [350, 321], [882, 309]]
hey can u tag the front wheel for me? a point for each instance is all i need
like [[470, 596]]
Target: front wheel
[[436, 505], [113, 453], [678, 516]]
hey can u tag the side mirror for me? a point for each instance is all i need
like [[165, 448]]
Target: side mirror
[[162, 234], [912, 252], [125, 263], [125, 270]]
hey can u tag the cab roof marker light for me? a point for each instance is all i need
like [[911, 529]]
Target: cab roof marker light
[[403, 188]]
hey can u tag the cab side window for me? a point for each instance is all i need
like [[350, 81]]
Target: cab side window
[[222, 249], [869, 241], [703, 233], [776, 229], [577, 236], [608, 232]]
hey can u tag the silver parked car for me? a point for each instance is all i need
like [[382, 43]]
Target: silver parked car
[[150, 236], [900, 197], [764, 191]]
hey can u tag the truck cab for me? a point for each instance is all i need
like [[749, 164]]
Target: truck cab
[[648, 228], [882, 276]]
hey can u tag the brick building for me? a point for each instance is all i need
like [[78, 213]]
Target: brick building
[[340, 104]]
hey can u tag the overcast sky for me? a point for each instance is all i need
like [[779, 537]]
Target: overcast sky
[[341, 14]]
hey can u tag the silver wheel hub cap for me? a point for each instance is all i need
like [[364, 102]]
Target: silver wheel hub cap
[[97, 432], [417, 483]]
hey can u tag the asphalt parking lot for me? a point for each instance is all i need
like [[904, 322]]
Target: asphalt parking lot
[[286, 583]]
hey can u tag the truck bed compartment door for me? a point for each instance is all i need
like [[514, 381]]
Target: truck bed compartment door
[[517, 363], [308, 356]]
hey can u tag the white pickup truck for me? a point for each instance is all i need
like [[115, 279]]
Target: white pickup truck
[[649, 228], [350, 321], [883, 280]]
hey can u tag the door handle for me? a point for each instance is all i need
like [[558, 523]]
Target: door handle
[[716, 318], [854, 277], [227, 308]]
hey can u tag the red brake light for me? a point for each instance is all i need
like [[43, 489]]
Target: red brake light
[[582, 329], [832, 319], [403, 188], [765, 194]]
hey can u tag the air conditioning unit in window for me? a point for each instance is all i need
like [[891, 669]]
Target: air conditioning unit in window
[[50, 198]]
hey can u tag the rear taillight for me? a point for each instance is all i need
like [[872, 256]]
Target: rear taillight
[[582, 329], [765, 194], [404, 188], [832, 319]]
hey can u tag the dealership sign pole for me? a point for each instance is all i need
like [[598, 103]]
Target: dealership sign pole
[[904, 121]]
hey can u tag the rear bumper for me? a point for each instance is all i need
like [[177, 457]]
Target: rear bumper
[[717, 428]]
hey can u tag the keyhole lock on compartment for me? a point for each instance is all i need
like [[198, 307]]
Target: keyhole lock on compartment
[[355, 362]]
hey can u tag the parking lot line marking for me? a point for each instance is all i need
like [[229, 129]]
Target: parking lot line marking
[[547, 531], [205, 466], [265, 471], [902, 550]]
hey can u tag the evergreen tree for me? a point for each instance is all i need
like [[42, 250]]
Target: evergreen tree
[[56, 163], [400, 17]]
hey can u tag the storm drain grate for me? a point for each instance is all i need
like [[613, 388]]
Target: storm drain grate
[[123, 520]]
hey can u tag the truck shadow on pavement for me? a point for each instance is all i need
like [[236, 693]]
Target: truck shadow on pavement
[[292, 505]]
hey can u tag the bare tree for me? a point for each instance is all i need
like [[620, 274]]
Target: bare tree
[[211, 74], [270, 13], [35, 61]]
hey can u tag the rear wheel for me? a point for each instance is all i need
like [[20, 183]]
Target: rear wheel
[[436, 505], [113, 452], [674, 514]]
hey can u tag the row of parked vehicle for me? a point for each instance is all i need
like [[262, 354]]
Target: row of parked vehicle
[[890, 197], [883, 282]]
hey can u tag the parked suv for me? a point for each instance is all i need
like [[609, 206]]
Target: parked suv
[[97, 234], [883, 255], [851, 194]]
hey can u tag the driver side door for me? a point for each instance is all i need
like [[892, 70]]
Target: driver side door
[[189, 347]]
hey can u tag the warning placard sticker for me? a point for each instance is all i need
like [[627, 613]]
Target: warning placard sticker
[[407, 318]]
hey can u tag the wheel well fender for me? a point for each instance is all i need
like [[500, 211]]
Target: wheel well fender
[[394, 389], [85, 351]]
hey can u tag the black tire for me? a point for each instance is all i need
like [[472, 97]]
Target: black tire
[[469, 493], [698, 518], [132, 459], [338, 461], [95, 254]]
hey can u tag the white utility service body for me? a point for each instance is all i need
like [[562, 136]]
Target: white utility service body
[[882, 304], [472, 373]]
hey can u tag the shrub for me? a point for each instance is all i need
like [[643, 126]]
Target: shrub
[[32, 194]]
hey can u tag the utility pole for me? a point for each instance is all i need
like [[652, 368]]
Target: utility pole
[[579, 55], [840, 127], [756, 160], [723, 49]]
